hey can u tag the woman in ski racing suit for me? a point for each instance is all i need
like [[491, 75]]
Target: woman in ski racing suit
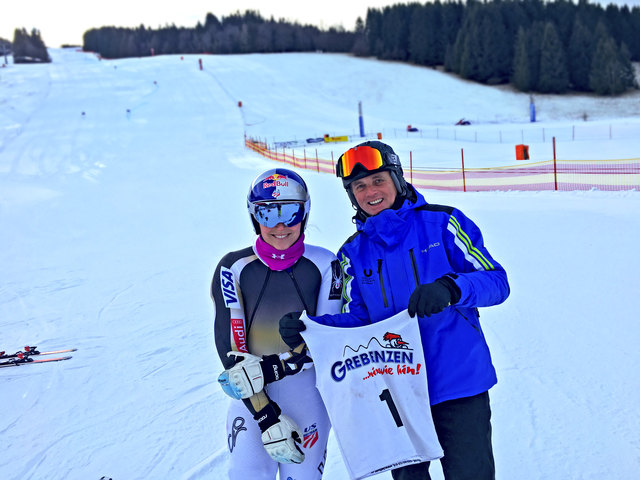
[[280, 422]]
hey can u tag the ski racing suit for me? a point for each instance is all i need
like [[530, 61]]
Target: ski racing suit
[[249, 299]]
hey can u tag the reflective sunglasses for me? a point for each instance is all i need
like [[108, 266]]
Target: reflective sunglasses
[[369, 157], [273, 213]]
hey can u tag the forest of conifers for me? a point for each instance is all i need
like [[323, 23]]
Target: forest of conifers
[[26, 47], [548, 47]]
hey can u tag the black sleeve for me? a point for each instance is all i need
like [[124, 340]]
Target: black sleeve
[[227, 300]]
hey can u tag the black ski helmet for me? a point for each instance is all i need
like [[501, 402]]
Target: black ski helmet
[[390, 163]]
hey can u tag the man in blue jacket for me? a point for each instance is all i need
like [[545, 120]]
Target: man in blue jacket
[[431, 260]]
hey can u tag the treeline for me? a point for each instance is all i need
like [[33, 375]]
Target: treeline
[[29, 47], [5, 46], [537, 46], [238, 33], [548, 47]]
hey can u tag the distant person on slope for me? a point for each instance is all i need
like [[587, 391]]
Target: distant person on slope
[[431, 260], [281, 423]]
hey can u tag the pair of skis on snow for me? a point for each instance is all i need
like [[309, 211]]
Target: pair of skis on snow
[[32, 355]]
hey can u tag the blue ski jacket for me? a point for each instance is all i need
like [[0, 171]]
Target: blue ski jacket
[[397, 250]]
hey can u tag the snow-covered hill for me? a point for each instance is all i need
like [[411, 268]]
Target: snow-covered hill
[[122, 183]]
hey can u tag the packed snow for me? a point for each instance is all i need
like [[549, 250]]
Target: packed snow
[[122, 184]]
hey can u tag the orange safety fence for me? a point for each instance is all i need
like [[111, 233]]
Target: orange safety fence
[[565, 175], [305, 162]]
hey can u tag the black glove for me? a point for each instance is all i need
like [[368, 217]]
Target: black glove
[[432, 298], [290, 328], [268, 416]]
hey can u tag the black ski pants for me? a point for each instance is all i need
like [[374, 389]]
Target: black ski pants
[[463, 426]]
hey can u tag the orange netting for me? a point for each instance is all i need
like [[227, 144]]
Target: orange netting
[[547, 175]]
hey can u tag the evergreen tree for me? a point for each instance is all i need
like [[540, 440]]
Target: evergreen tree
[[521, 78], [580, 52], [496, 46], [466, 49], [127, 45], [452, 15], [534, 10], [514, 17], [627, 72], [418, 35], [482, 52], [186, 42], [554, 76], [450, 60], [634, 42], [454, 50], [360, 45], [5, 49], [627, 34], [373, 31], [426, 37], [534, 46], [283, 38], [264, 38], [611, 70], [469, 66], [435, 41], [29, 48], [395, 40], [562, 14], [229, 39]]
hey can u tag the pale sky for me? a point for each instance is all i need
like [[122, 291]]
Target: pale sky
[[65, 21]]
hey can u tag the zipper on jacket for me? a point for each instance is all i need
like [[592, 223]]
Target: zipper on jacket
[[264, 287], [416, 276], [477, 329], [293, 279], [384, 294]]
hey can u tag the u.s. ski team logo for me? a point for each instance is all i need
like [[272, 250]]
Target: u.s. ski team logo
[[310, 436], [376, 357]]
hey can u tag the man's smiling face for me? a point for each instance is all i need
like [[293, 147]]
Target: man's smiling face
[[374, 193]]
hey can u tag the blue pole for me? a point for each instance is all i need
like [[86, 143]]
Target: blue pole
[[532, 111], [360, 119]]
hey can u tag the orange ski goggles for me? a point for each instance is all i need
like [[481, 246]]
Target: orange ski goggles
[[367, 157]]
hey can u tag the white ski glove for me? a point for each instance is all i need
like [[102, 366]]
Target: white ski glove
[[281, 441], [280, 435], [244, 379], [252, 373]]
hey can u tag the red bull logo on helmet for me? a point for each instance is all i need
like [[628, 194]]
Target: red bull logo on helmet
[[275, 180]]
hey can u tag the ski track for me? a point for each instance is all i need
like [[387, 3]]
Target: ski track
[[208, 466], [43, 90], [112, 301]]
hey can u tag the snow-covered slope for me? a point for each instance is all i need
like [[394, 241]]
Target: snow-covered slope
[[122, 183]]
